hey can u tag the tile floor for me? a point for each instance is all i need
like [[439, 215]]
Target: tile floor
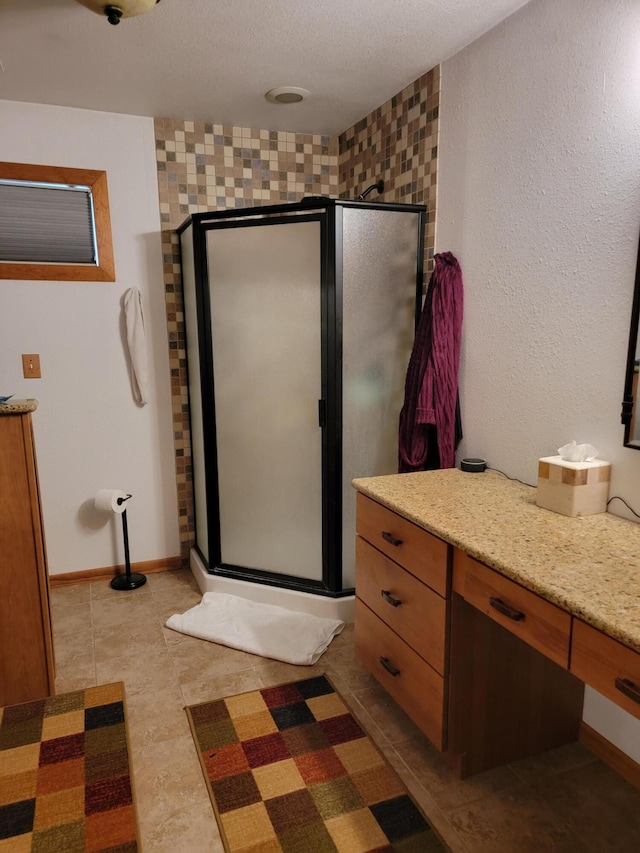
[[565, 800]]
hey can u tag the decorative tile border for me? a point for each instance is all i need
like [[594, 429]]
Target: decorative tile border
[[215, 167]]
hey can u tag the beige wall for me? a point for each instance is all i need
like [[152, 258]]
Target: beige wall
[[539, 198], [90, 433]]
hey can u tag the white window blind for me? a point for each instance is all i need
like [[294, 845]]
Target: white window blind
[[47, 223]]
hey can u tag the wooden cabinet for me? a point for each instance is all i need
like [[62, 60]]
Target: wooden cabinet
[[402, 613], [409, 607], [26, 646], [419, 690], [422, 554], [478, 662], [502, 654], [535, 620], [511, 694], [609, 667]]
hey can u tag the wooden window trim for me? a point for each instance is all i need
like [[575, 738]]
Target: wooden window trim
[[97, 180]]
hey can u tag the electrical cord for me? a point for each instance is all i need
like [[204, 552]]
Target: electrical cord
[[612, 498], [515, 479], [618, 498]]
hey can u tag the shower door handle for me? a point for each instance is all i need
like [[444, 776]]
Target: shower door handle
[[322, 413]]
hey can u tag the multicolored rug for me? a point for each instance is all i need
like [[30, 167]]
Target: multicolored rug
[[64, 774], [290, 770]]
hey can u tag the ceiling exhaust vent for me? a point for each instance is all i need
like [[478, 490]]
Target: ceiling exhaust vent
[[287, 95]]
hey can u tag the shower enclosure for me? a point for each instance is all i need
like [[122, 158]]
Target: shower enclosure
[[299, 320]]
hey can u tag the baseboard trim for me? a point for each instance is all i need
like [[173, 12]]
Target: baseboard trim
[[610, 754], [144, 567]]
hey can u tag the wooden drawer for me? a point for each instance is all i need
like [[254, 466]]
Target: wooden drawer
[[422, 554], [606, 665], [411, 609], [539, 623], [416, 687]]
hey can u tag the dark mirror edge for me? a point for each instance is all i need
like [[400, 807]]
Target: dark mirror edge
[[628, 402]]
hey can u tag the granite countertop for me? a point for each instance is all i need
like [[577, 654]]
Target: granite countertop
[[14, 406], [589, 566]]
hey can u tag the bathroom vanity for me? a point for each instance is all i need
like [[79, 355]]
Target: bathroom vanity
[[483, 615]]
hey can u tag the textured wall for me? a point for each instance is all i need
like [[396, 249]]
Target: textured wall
[[539, 197]]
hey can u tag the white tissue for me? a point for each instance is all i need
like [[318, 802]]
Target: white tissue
[[111, 500], [573, 452]]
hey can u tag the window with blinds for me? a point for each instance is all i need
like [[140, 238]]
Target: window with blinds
[[54, 224], [47, 223]]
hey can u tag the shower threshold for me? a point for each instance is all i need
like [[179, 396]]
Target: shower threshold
[[291, 599]]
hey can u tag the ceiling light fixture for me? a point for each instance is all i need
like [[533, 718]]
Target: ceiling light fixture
[[287, 95], [119, 9]]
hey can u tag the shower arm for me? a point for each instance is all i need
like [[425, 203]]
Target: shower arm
[[379, 185]]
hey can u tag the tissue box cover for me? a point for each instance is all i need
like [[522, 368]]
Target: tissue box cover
[[573, 488]]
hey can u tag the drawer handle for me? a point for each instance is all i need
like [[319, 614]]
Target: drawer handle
[[391, 539], [629, 689], [499, 605], [394, 602], [391, 669]]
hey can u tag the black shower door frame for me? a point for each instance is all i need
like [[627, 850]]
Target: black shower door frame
[[329, 403]]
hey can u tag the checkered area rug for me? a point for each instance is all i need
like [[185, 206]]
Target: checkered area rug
[[290, 769], [64, 774]]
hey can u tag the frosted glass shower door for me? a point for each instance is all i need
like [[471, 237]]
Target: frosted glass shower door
[[265, 296], [378, 304]]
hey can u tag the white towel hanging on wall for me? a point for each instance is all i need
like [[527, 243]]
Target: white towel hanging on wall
[[137, 345]]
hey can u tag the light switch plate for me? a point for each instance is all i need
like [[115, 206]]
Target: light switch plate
[[31, 366]]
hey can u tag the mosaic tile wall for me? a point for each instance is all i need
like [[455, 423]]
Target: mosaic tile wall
[[398, 142], [213, 167]]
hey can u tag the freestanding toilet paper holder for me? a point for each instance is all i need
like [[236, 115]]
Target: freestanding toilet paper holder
[[129, 580]]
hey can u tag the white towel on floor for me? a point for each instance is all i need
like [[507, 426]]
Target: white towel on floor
[[137, 345], [261, 629]]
